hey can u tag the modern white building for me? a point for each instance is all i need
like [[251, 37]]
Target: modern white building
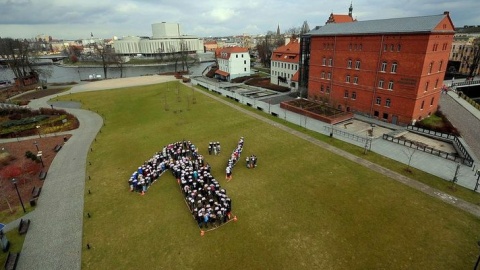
[[233, 62], [166, 39], [284, 65]]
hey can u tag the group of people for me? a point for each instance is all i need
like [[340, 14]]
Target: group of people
[[251, 161], [214, 148], [207, 201], [233, 159]]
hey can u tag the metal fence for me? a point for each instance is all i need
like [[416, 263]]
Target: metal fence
[[431, 132], [454, 140], [345, 134], [427, 149]]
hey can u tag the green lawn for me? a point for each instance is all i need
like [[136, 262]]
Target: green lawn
[[303, 207], [16, 243]]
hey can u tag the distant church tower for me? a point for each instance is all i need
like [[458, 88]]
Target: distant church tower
[[350, 10], [278, 30]]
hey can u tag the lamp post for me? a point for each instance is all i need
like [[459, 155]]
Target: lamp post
[[36, 145], [38, 130], [39, 155], [14, 181], [478, 260]]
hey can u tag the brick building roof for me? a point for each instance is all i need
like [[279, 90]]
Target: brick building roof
[[423, 24], [338, 18], [288, 53]]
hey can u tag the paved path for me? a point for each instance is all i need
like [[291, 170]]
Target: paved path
[[466, 121], [54, 239]]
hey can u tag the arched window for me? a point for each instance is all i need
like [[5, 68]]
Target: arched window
[[394, 67], [383, 68]]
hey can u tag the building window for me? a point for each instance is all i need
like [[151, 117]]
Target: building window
[[324, 61], [431, 102], [323, 74], [378, 100], [390, 85], [426, 86], [387, 102], [242, 55], [380, 84], [384, 66], [385, 116], [399, 47], [321, 88], [349, 63], [392, 47], [423, 103], [330, 62], [360, 47], [394, 67], [357, 64], [244, 62], [440, 66], [328, 89], [347, 79], [430, 68], [346, 94], [355, 80], [236, 56], [329, 76], [245, 69], [436, 83], [384, 47], [354, 95]]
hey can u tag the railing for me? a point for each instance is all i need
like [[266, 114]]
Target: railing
[[431, 132], [347, 134], [465, 83], [454, 139], [450, 156]]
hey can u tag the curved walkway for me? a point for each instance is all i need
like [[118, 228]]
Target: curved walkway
[[54, 239]]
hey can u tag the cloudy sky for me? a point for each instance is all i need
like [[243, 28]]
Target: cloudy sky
[[67, 19]]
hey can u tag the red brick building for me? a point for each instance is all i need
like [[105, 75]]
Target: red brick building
[[390, 69]]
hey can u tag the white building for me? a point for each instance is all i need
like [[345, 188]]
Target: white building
[[284, 65], [166, 39], [233, 62]]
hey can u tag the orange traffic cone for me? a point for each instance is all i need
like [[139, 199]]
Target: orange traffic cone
[[202, 233]]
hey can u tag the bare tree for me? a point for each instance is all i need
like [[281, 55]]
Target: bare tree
[[19, 58], [107, 56], [409, 152]]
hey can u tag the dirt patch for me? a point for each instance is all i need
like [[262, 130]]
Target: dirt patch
[[28, 171], [40, 93]]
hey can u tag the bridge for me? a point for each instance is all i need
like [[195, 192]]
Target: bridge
[[43, 59], [465, 83]]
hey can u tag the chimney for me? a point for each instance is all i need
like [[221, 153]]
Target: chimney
[[446, 13]]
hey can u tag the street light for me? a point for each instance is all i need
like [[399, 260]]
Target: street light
[[39, 155], [38, 130], [478, 260], [36, 145], [14, 181]]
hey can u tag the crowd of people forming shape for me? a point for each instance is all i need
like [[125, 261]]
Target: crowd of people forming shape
[[206, 200], [234, 157]]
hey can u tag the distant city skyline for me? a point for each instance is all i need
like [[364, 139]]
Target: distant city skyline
[[108, 18]]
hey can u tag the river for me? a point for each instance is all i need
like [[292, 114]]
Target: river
[[63, 74]]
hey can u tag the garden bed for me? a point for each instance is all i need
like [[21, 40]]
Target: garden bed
[[321, 112]]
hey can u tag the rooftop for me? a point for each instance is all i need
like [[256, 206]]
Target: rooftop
[[423, 24]]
